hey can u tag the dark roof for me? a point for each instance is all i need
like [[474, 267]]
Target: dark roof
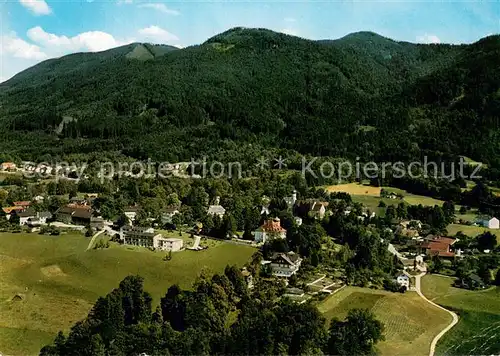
[[27, 213], [131, 209], [171, 209], [45, 214], [82, 213], [291, 258], [76, 211]]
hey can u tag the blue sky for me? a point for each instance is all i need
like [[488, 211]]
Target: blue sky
[[35, 30]]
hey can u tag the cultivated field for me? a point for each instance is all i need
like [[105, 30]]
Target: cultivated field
[[478, 329], [410, 322], [472, 231], [47, 283]]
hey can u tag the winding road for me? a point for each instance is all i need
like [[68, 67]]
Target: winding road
[[453, 315]]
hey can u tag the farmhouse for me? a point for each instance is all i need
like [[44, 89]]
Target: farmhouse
[[31, 217], [271, 229], [75, 214], [437, 246], [285, 264]]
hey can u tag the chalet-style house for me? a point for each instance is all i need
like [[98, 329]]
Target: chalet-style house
[[146, 237], [271, 229], [437, 246], [75, 214], [285, 264]]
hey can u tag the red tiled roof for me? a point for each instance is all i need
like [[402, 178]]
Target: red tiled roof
[[10, 209], [272, 226], [22, 203]]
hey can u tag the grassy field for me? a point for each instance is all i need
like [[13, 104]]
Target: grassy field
[[48, 283], [472, 231], [410, 322], [478, 330], [370, 196]]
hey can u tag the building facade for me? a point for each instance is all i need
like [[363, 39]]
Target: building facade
[[270, 230]]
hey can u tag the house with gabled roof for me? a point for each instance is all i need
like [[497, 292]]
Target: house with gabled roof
[[22, 204], [75, 214], [437, 246], [490, 223], [285, 264]]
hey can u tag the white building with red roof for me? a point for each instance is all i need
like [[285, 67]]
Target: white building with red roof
[[271, 229]]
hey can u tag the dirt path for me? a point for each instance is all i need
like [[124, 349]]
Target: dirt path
[[453, 315]]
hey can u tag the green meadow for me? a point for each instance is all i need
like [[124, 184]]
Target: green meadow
[[47, 283], [410, 322], [478, 328]]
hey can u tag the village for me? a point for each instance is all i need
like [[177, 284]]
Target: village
[[411, 248], [322, 245]]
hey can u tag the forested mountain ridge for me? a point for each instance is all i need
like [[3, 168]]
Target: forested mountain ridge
[[361, 95]]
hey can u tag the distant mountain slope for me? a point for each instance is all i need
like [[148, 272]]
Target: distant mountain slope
[[362, 95]]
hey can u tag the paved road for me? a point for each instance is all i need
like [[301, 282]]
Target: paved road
[[93, 239], [453, 315]]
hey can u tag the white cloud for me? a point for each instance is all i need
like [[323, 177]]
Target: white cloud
[[161, 8], [290, 31], [119, 2], [428, 38], [13, 46], [157, 34], [92, 41], [38, 7]]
